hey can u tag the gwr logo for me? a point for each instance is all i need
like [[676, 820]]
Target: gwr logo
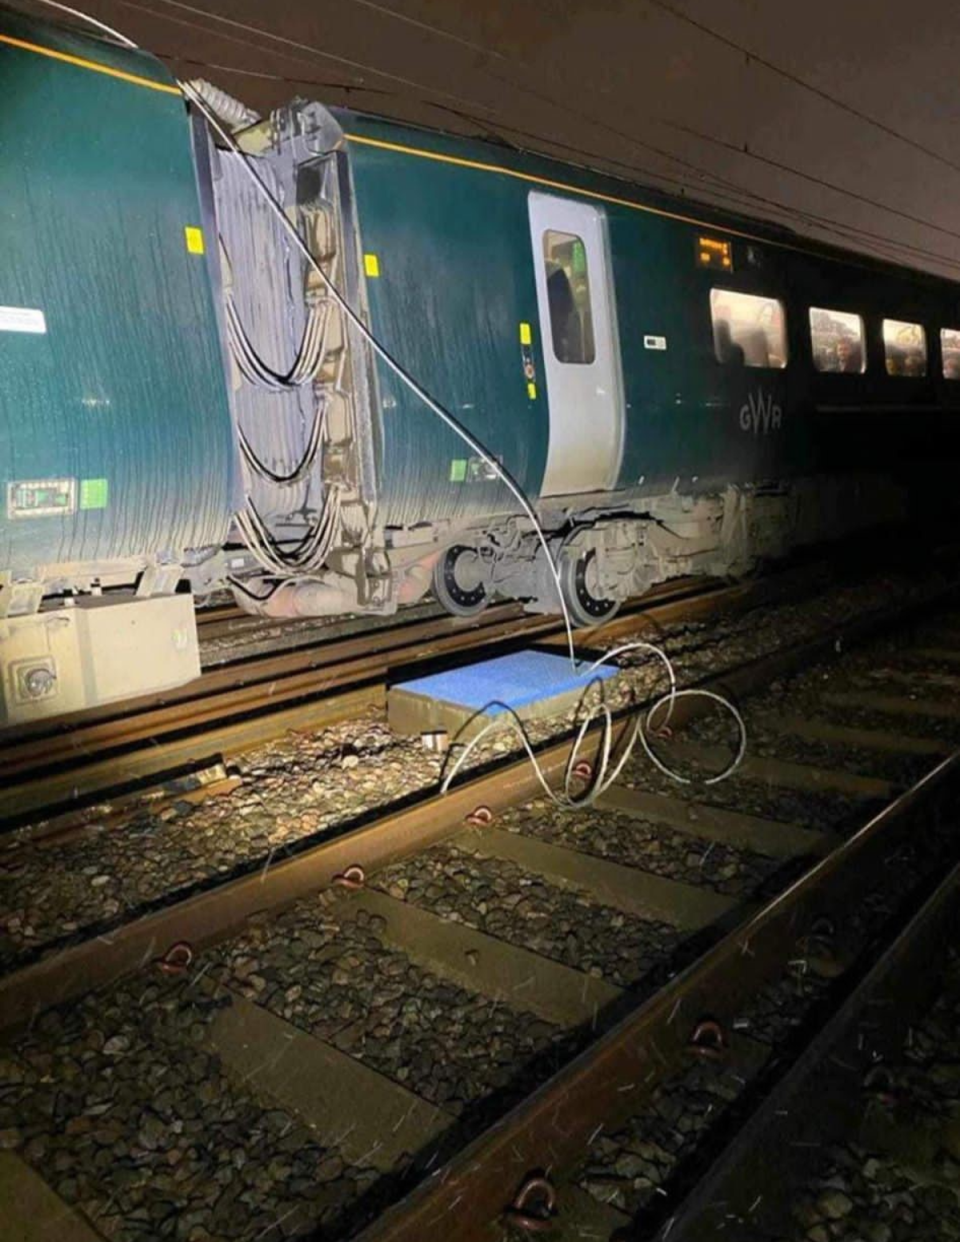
[[760, 414]]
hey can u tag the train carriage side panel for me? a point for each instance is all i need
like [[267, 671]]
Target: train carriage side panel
[[449, 279], [115, 433], [117, 454], [691, 421], [449, 238], [455, 215]]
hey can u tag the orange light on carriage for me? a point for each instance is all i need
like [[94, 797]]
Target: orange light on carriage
[[712, 252]]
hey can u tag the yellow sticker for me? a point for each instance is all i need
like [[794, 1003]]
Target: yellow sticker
[[371, 265], [526, 334], [194, 238], [532, 391]]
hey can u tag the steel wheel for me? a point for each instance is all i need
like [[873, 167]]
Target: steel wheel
[[458, 581], [579, 579]]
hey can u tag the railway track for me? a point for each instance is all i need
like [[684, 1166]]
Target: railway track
[[851, 1082], [530, 1021], [68, 762]]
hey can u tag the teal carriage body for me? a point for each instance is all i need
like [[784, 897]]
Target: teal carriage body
[[451, 232], [116, 439]]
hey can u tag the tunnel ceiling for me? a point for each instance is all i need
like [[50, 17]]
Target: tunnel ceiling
[[837, 119]]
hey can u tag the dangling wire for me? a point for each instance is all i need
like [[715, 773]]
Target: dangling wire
[[604, 777], [92, 21], [310, 353], [499, 470], [310, 552], [270, 549], [303, 467]]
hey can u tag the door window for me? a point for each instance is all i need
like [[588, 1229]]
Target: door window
[[568, 292]]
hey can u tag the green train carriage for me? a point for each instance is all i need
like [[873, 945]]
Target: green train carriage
[[118, 461], [647, 452], [675, 390]]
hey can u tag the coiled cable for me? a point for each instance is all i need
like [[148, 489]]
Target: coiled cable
[[603, 777]]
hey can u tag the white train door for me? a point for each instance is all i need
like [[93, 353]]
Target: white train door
[[578, 328]]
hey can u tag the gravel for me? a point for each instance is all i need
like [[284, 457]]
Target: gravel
[[518, 906], [651, 847], [300, 788], [863, 1196], [779, 1010], [824, 811], [635, 1168], [333, 977], [885, 668], [904, 1187], [293, 792], [118, 1105], [888, 765], [630, 1167]]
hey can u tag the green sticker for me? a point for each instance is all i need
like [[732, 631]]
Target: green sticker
[[93, 493], [458, 470]]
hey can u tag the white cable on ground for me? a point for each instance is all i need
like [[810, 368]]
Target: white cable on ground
[[603, 778]]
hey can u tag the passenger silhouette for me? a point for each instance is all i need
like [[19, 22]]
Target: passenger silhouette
[[849, 356], [564, 320], [727, 350]]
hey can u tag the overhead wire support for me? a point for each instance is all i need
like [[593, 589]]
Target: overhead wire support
[[877, 245]]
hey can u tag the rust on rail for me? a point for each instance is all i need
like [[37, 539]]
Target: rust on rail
[[609, 1081]]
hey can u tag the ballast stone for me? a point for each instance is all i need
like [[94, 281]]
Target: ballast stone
[[531, 684]]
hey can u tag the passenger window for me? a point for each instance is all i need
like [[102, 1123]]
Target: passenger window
[[905, 346], [747, 330], [950, 348], [568, 292], [837, 341]]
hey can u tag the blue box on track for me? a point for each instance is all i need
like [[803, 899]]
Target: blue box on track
[[531, 683]]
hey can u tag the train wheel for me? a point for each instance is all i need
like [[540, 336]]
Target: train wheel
[[459, 581], [580, 581]]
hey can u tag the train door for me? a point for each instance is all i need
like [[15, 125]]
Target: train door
[[578, 328]]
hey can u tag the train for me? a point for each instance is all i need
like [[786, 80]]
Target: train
[[227, 342]]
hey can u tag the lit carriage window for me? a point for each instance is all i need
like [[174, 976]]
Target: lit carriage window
[[950, 349], [568, 291], [748, 330], [837, 341], [905, 346]]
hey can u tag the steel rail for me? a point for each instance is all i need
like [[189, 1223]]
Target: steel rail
[[110, 951], [822, 1092], [236, 707], [382, 649], [270, 681], [611, 1079]]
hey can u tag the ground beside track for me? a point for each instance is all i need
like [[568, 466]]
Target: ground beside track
[[894, 1176], [297, 789], [139, 1107]]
